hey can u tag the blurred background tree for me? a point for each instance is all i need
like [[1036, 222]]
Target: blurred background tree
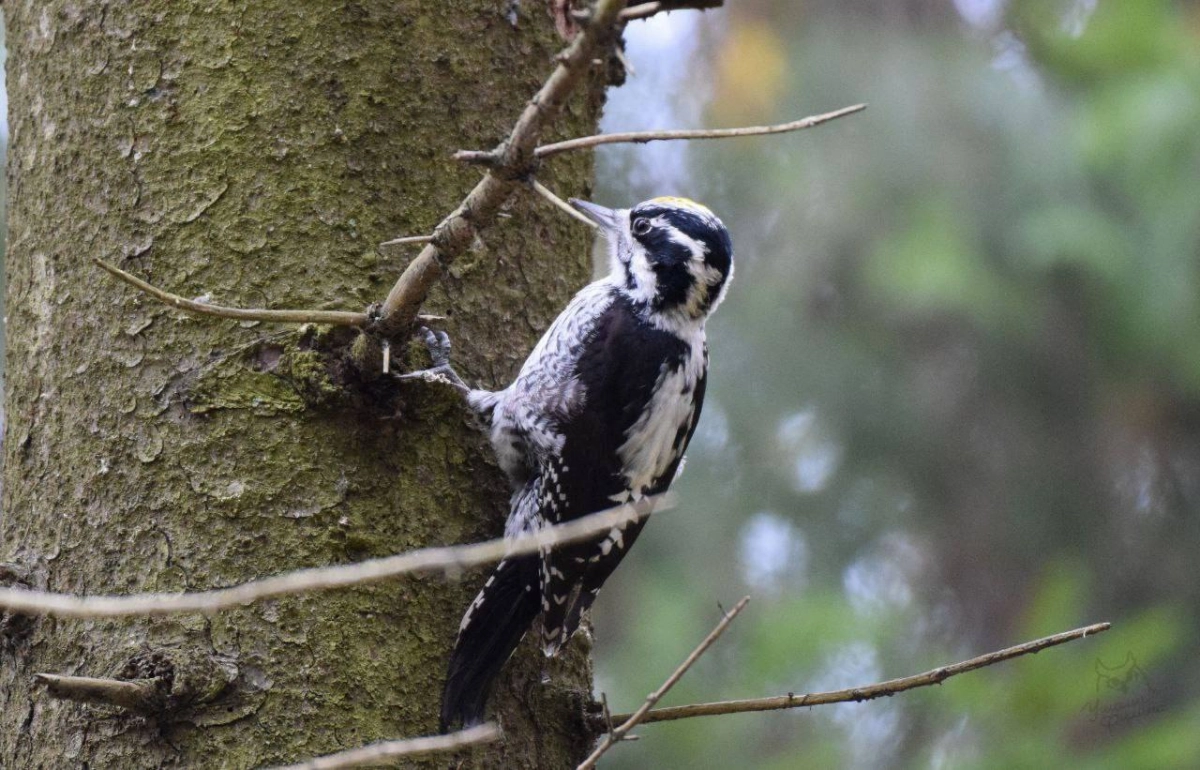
[[955, 397]]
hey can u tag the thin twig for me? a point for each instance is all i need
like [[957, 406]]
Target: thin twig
[[871, 691], [139, 697], [628, 722], [477, 157], [334, 317], [514, 160], [379, 753], [641, 137], [628, 65], [408, 239], [559, 203], [448, 560], [646, 10]]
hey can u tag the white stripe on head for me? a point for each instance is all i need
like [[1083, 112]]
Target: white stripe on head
[[645, 280], [618, 242]]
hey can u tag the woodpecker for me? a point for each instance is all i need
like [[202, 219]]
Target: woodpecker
[[599, 415]]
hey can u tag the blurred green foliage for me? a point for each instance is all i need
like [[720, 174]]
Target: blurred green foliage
[[955, 395]]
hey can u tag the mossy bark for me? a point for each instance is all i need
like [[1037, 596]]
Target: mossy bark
[[256, 152]]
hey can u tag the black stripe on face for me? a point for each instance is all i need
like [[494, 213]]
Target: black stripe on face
[[674, 283], [669, 259], [662, 249], [707, 231]]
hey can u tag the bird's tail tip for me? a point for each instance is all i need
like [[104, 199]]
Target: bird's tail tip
[[493, 626], [459, 712]]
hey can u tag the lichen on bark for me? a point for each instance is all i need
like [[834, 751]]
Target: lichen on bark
[[255, 153]]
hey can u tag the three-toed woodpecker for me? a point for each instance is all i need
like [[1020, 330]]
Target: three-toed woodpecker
[[600, 414]]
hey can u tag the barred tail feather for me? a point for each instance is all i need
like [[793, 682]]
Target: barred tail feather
[[491, 629], [589, 566]]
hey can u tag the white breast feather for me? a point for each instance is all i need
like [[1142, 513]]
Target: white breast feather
[[649, 447]]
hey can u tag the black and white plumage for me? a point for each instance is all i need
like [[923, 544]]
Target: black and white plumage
[[600, 414]]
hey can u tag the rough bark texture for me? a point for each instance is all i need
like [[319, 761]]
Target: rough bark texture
[[257, 152]]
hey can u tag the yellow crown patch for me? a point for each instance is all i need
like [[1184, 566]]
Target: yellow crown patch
[[683, 203]]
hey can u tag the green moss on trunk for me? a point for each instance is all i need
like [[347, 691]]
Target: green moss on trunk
[[256, 152]]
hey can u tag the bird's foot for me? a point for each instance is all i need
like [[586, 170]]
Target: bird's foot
[[438, 345]]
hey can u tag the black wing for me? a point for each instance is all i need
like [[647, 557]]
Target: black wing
[[621, 363], [598, 571]]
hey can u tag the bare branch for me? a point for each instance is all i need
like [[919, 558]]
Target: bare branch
[[641, 137], [408, 239], [608, 723], [514, 160], [560, 204], [334, 317], [632, 720], [140, 697], [477, 157], [871, 691], [511, 161], [379, 753], [628, 65], [447, 560], [646, 10]]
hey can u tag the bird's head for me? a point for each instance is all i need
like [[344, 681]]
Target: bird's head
[[672, 256]]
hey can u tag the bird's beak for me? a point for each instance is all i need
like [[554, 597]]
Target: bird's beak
[[605, 218]]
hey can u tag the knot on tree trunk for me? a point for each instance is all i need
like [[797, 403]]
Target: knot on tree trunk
[[170, 686]]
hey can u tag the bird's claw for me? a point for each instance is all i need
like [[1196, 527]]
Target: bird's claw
[[438, 345]]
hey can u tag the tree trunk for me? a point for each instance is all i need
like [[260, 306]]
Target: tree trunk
[[256, 153]]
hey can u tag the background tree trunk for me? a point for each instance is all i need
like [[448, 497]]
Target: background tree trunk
[[257, 152]]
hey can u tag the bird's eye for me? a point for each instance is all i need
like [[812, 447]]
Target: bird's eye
[[641, 226]]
